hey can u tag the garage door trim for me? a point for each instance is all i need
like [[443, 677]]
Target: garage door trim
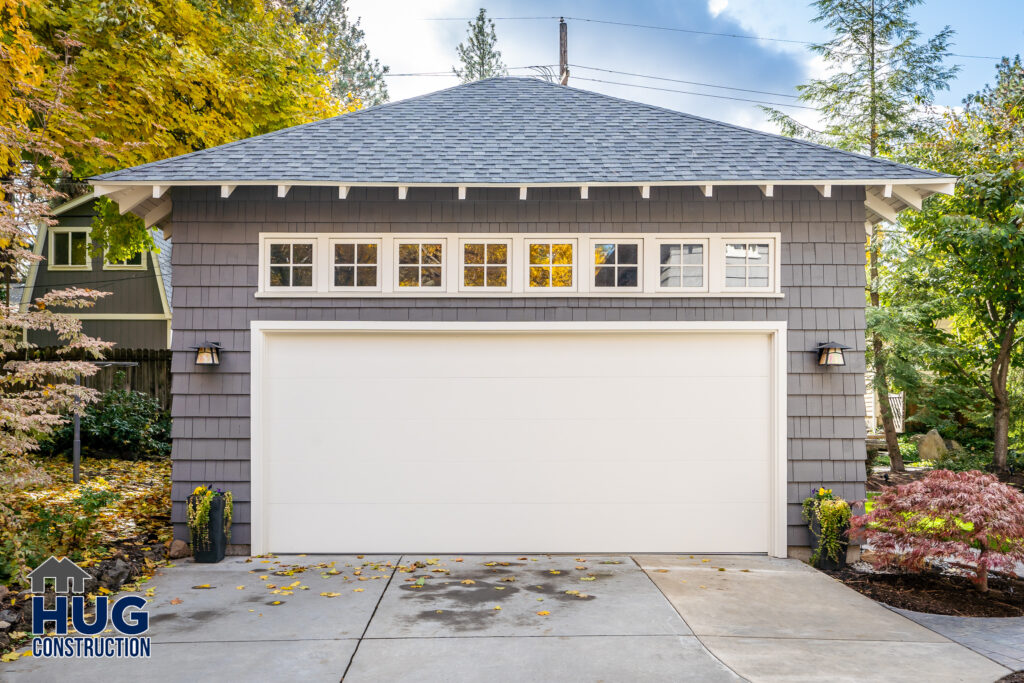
[[775, 330]]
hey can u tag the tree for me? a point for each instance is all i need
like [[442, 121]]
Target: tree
[[478, 54], [357, 78], [970, 246], [881, 77]]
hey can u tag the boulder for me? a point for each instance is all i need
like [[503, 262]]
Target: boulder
[[10, 616], [931, 447], [115, 574], [178, 550]]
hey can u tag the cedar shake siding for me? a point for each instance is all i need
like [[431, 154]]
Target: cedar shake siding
[[215, 275]]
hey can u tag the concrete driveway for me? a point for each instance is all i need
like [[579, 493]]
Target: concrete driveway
[[516, 618]]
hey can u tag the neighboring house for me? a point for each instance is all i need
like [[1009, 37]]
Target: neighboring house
[[136, 315], [517, 316]]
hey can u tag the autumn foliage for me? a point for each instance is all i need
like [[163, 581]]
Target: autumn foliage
[[965, 517]]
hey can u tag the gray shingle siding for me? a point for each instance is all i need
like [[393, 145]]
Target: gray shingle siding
[[215, 277]]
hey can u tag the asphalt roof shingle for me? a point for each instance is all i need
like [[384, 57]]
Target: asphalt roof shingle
[[517, 130]]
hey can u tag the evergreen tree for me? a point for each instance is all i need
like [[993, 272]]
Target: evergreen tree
[[881, 77], [477, 53]]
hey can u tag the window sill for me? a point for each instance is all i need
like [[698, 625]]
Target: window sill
[[516, 295]]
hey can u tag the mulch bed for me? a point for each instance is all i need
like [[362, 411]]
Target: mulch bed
[[934, 593]]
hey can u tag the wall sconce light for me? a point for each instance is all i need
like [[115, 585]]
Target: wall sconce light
[[207, 353], [831, 354]]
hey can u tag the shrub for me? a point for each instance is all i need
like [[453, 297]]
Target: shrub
[[830, 515], [972, 458], [965, 516], [123, 423]]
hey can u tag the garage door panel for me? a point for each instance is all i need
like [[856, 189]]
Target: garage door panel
[[461, 528]]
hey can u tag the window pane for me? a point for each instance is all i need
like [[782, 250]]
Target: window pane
[[473, 276], [61, 254], [736, 253], [280, 276], [497, 276], [408, 276], [344, 253], [280, 253], [366, 276], [561, 253], [540, 253], [758, 253], [497, 253], [302, 253], [302, 276], [693, 276], [430, 276], [604, 277], [473, 253], [344, 276], [540, 276], [135, 260], [431, 253], [367, 253], [78, 249], [627, 277], [670, 276], [693, 254], [604, 253], [561, 277], [670, 254], [408, 253], [735, 276], [627, 253], [758, 276]]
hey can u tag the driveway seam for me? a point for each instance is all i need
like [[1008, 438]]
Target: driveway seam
[[683, 618], [366, 628]]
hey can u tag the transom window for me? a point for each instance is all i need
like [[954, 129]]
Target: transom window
[[681, 265], [136, 262], [747, 264], [485, 265], [551, 264], [70, 249], [616, 264], [421, 264], [355, 264], [291, 264]]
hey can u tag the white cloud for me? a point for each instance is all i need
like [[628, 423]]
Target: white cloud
[[716, 7]]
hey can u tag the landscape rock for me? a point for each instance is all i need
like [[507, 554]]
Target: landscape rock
[[115, 574], [179, 549], [931, 447], [9, 617]]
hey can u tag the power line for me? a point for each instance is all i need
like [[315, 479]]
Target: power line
[[678, 80], [450, 73], [690, 92]]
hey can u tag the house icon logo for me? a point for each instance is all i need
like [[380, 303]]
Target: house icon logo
[[67, 576]]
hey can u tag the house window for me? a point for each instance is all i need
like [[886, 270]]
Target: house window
[[485, 265], [136, 262], [681, 265], [291, 264], [616, 265], [420, 264], [551, 264], [70, 249], [355, 264], [748, 265]]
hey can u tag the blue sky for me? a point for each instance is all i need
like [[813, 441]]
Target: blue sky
[[400, 37]]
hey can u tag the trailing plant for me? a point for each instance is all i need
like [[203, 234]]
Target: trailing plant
[[966, 516], [199, 514], [832, 516], [69, 527]]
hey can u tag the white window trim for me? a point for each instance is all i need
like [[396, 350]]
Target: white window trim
[[714, 265], [53, 232], [484, 238], [381, 256], [641, 264], [120, 266]]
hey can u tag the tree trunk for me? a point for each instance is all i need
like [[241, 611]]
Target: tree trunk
[[892, 444], [1001, 400], [980, 580]]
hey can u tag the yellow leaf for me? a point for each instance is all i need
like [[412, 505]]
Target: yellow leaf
[[662, 571], [497, 607], [580, 567], [176, 601], [490, 564], [202, 586], [104, 591], [10, 656], [241, 588], [705, 560], [587, 578], [357, 590], [468, 582], [277, 602], [543, 613], [555, 571], [330, 595]]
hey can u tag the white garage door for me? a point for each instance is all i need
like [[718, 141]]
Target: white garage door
[[437, 442]]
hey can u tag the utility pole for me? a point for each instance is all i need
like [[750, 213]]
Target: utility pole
[[563, 52]]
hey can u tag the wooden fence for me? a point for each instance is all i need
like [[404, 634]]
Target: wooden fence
[[152, 375]]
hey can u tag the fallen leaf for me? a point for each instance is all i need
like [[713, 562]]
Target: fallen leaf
[[357, 590], [277, 602], [330, 595], [497, 607], [439, 611], [580, 567], [587, 578], [745, 570], [721, 569], [705, 560], [555, 571], [543, 613], [508, 579], [420, 581], [203, 586], [468, 582], [499, 588], [104, 591], [176, 601], [490, 564], [572, 592], [458, 559]]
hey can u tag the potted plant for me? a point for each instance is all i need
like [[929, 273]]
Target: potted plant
[[209, 523], [828, 518]]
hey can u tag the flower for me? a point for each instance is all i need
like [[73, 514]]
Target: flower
[[199, 490]]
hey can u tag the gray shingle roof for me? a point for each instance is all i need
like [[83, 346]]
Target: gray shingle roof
[[164, 257], [517, 130]]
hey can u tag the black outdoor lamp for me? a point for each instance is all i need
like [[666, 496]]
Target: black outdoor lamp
[[831, 354], [207, 353]]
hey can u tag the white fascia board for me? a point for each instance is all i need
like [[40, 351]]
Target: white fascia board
[[76, 202]]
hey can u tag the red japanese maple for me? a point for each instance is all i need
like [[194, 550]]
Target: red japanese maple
[[965, 517]]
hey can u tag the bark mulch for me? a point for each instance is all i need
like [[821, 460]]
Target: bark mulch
[[934, 593]]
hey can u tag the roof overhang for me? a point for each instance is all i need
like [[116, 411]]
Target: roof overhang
[[885, 198]]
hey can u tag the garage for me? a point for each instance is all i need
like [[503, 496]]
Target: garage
[[504, 438]]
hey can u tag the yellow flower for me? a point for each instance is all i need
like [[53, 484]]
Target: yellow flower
[[199, 490], [821, 491]]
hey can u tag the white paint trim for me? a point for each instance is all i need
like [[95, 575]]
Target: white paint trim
[[159, 272], [708, 190], [128, 199], [282, 190], [522, 192], [908, 196], [768, 190], [119, 316], [645, 191], [342, 191], [158, 213], [51, 265], [874, 202], [824, 190], [462, 192], [74, 203], [158, 190], [226, 190], [33, 270], [121, 266], [776, 330], [403, 191]]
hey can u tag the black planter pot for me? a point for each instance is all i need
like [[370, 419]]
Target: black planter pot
[[213, 549], [824, 561]]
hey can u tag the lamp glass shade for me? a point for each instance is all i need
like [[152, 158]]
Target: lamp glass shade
[[831, 357], [207, 355]]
